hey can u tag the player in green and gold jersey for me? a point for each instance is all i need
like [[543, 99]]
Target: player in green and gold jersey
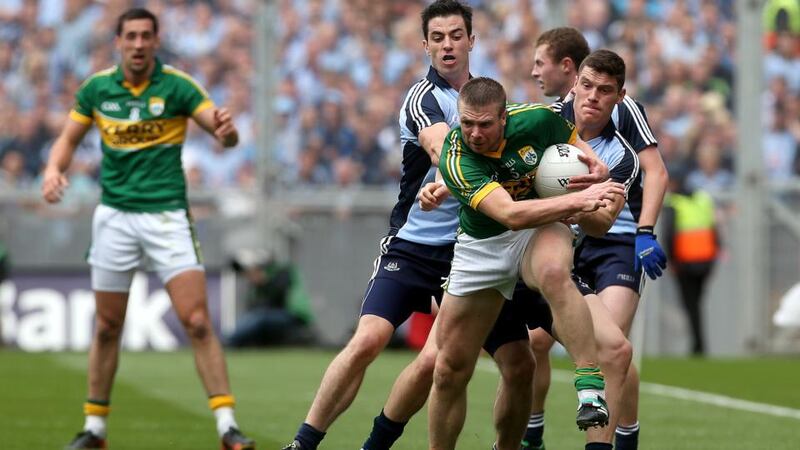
[[141, 108], [488, 164]]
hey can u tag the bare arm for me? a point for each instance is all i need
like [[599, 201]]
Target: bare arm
[[432, 140], [517, 215], [219, 123], [655, 185], [54, 180], [597, 223]]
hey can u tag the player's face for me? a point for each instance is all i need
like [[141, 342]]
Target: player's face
[[449, 45], [595, 96], [550, 74], [483, 126], [138, 44]]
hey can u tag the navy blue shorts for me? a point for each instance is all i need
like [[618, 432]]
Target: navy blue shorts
[[600, 263], [532, 307], [408, 274], [405, 278]]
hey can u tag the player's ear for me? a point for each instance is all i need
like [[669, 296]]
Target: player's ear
[[621, 95], [471, 42], [567, 63], [425, 46]]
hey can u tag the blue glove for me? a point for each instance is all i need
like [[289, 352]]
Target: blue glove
[[649, 254]]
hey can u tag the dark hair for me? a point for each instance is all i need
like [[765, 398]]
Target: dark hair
[[608, 63], [443, 8], [136, 13], [565, 42], [483, 91]]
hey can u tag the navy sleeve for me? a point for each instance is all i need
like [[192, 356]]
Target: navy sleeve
[[422, 108], [631, 121]]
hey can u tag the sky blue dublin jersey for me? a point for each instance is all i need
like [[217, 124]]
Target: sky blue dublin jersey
[[429, 101], [623, 165]]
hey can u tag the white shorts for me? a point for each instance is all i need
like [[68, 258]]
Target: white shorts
[[491, 263], [124, 241]]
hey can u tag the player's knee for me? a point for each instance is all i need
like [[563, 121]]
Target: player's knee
[[451, 372], [517, 369], [197, 325], [555, 278], [541, 346], [108, 330], [425, 363], [365, 347], [615, 355]]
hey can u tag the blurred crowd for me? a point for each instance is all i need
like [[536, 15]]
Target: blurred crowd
[[344, 66]]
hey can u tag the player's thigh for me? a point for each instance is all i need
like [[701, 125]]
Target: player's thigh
[[550, 246], [510, 327], [406, 276], [464, 323], [395, 299], [169, 242], [187, 291], [372, 334], [115, 243], [621, 303], [110, 308]]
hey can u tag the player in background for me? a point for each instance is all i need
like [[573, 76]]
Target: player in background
[[141, 107], [558, 54], [415, 259], [488, 164]]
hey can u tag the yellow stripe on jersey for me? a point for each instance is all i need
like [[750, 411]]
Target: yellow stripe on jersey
[[499, 152], [453, 161], [529, 107], [574, 136], [167, 69], [129, 135], [478, 197], [136, 90], [80, 118], [514, 106], [105, 72], [204, 105]]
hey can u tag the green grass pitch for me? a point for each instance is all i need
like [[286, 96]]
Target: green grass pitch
[[158, 402]]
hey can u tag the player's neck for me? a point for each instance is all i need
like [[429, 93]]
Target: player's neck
[[587, 132], [567, 88], [137, 79], [457, 80]]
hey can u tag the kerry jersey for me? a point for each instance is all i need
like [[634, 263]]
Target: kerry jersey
[[142, 130], [470, 177]]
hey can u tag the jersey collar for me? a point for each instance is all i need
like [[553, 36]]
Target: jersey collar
[[568, 112], [434, 77]]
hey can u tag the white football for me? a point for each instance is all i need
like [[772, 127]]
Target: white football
[[559, 162]]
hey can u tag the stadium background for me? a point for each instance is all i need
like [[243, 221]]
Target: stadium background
[[315, 86]]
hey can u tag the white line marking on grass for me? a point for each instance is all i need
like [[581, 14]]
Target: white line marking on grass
[[663, 390]]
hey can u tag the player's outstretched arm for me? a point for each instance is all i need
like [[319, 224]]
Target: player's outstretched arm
[[517, 215], [597, 223], [219, 123], [432, 140], [54, 180]]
